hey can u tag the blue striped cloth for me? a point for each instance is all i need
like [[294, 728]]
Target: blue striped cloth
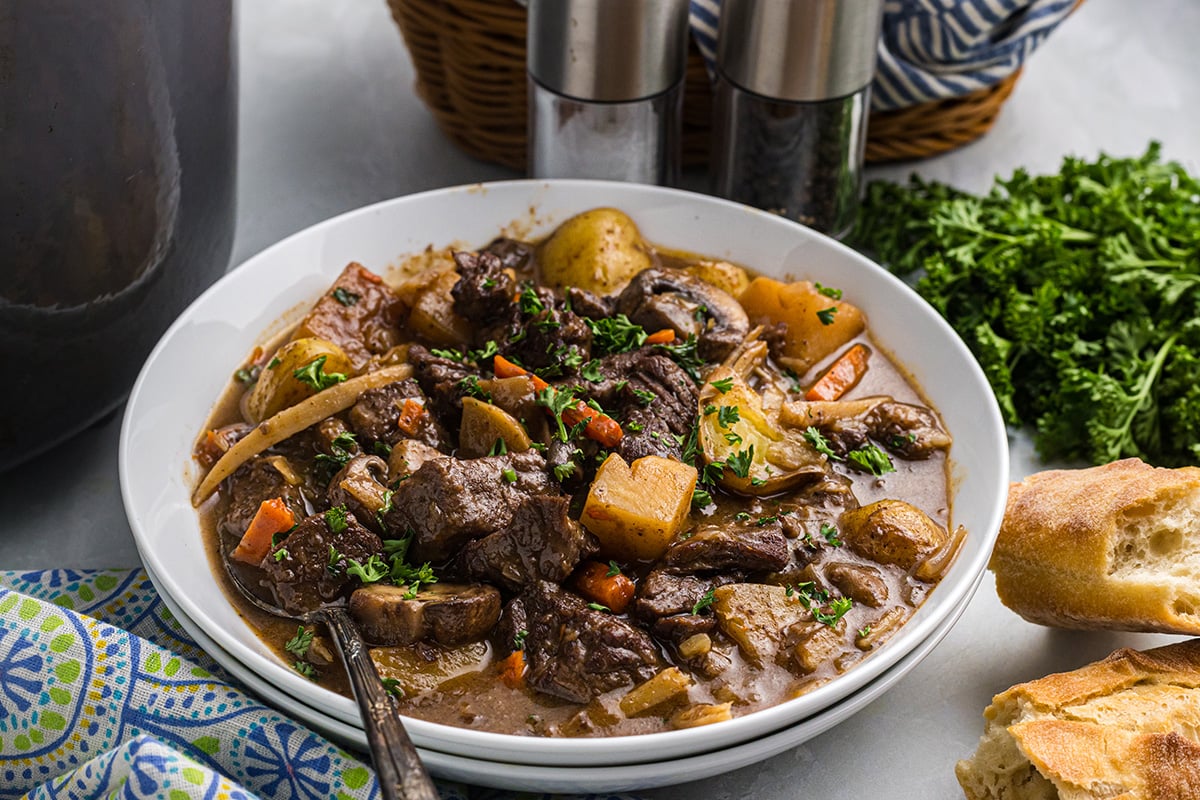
[[935, 49]]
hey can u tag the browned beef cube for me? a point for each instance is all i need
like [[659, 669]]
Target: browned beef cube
[[359, 313], [750, 548], [308, 568]]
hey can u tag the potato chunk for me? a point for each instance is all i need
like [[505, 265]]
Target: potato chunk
[[817, 325], [417, 671], [433, 314], [891, 532], [483, 424], [668, 685], [599, 250], [278, 387], [635, 511], [755, 616]]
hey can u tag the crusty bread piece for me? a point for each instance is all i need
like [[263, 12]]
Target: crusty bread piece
[[1126, 727], [1115, 547]]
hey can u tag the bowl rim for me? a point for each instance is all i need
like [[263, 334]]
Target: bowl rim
[[566, 750]]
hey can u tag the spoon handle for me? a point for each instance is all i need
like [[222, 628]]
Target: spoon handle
[[402, 776]]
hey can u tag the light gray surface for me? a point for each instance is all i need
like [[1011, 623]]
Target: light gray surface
[[329, 122]]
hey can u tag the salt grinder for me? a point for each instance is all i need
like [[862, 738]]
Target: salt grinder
[[793, 82], [606, 88]]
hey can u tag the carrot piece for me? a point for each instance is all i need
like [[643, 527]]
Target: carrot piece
[[614, 591], [600, 427], [843, 376], [665, 336], [410, 416], [273, 516], [512, 670], [507, 369]]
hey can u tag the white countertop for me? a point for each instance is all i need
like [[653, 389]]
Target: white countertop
[[329, 122]]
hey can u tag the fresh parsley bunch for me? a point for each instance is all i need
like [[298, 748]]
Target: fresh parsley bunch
[[1078, 292]]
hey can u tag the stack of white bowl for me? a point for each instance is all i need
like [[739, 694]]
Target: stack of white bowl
[[190, 367]]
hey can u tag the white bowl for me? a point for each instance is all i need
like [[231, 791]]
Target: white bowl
[[191, 365]]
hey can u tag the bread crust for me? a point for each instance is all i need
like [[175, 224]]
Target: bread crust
[[1083, 548], [1124, 727]]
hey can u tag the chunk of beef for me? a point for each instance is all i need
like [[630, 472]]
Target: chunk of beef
[[485, 290], [543, 334], [908, 430], [514, 254], [576, 652], [444, 381], [376, 417], [359, 313], [541, 542], [448, 502], [654, 398], [748, 547], [665, 602], [589, 304], [312, 568], [255, 481], [447, 613]]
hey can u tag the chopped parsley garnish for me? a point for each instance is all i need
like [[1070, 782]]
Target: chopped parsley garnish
[[529, 302], [829, 291], [871, 459], [281, 554], [615, 334], [558, 401], [723, 385], [739, 463], [701, 498], [405, 574], [636, 427], [614, 569], [509, 474], [392, 687], [831, 534], [816, 602], [345, 296], [713, 471], [700, 313], [826, 315], [375, 570], [598, 607], [710, 409], [335, 518], [733, 438], [728, 415], [397, 548], [247, 375], [489, 349], [488, 283], [298, 645], [864, 631], [499, 447], [383, 449], [742, 516], [704, 602], [471, 388], [564, 471], [313, 374], [820, 443], [591, 372], [645, 396], [305, 669], [384, 509], [685, 355], [767, 520], [519, 639], [452, 354], [334, 566], [273, 363]]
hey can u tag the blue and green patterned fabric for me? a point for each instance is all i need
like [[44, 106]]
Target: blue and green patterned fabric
[[103, 695]]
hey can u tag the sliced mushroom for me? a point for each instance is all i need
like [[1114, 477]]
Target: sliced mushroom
[[407, 456], [661, 298], [447, 613], [859, 582], [361, 486]]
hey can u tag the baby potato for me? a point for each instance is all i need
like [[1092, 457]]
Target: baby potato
[[599, 250], [278, 387], [729, 278]]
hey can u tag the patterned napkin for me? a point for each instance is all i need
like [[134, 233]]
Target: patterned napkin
[[935, 49], [102, 694]]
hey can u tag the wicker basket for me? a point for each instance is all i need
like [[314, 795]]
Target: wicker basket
[[470, 62]]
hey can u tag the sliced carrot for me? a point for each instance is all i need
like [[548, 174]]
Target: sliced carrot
[[613, 591], [600, 427], [410, 416], [273, 516], [843, 376], [665, 336], [512, 670]]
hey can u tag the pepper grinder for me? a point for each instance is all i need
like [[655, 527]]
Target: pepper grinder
[[606, 88], [793, 83]]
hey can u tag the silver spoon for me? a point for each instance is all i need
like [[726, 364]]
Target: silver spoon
[[402, 776]]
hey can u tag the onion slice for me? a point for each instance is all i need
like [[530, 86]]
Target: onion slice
[[292, 420]]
